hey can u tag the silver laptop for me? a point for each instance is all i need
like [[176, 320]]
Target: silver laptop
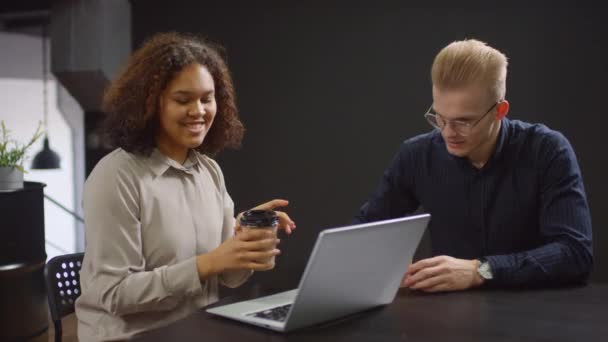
[[351, 269]]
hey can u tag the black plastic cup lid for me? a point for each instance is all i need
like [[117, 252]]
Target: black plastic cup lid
[[259, 218]]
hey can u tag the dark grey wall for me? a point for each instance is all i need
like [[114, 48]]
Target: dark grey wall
[[328, 93]]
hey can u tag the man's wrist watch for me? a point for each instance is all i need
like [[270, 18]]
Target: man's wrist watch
[[484, 269]]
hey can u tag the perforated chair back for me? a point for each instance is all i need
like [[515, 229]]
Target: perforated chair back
[[62, 275]]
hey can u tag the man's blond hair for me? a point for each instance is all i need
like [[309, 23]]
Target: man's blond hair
[[469, 62]]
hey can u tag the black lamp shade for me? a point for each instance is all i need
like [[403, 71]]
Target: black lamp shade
[[47, 158]]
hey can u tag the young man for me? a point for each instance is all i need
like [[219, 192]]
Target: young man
[[506, 198]]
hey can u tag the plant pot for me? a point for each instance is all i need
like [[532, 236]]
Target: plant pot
[[10, 178]]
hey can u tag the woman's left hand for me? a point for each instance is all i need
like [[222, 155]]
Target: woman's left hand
[[285, 222]]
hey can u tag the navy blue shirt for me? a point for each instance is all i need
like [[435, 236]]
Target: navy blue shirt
[[525, 210]]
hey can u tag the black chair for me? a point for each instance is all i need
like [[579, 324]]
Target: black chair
[[62, 276]]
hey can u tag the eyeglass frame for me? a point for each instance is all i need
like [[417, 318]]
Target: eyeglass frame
[[468, 125]]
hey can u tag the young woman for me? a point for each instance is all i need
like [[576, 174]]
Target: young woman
[[160, 227]]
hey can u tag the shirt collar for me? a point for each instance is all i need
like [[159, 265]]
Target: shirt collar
[[160, 163], [501, 141]]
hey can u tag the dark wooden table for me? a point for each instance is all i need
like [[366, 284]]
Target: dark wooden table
[[558, 314]]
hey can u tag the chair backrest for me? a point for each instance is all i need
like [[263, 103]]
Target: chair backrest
[[62, 275]]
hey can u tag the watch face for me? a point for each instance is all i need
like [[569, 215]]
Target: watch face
[[484, 270]]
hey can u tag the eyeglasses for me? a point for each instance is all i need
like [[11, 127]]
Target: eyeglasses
[[463, 128]]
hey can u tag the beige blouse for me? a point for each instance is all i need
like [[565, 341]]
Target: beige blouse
[[146, 219]]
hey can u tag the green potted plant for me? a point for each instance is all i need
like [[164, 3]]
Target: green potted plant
[[12, 156]]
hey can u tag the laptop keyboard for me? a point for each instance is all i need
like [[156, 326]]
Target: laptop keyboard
[[276, 314]]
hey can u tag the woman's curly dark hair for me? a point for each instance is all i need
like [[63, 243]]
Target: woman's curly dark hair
[[131, 102]]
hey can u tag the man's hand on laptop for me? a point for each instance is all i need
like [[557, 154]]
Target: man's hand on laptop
[[442, 273]]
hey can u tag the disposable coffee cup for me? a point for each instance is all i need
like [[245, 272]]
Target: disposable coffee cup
[[260, 219]]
